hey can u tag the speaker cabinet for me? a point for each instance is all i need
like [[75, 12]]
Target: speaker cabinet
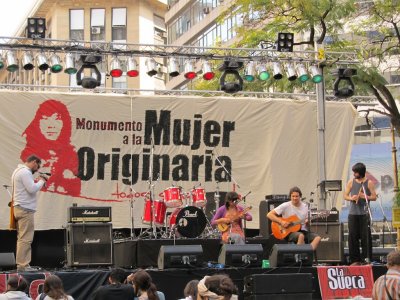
[[7, 261], [241, 255], [278, 285], [265, 207], [291, 255], [180, 256], [89, 244], [331, 248]]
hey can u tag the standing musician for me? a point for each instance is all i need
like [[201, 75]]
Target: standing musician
[[299, 209], [24, 202], [228, 219], [359, 219]]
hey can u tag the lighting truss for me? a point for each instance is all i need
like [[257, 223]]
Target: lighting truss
[[187, 52]]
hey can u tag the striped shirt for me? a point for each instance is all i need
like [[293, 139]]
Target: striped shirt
[[392, 284]]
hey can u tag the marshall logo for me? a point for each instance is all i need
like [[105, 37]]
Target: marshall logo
[[91, 241], [90, 212], [325, 239]]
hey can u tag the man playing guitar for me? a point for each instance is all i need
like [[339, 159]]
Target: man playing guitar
[[229, 217], [297, 209]]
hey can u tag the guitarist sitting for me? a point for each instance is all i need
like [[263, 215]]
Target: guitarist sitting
[[228, 219], [292, 225]]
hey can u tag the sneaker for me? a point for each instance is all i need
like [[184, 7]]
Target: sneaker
[[27, 268]]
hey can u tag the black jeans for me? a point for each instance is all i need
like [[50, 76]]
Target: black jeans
[[359, 229]]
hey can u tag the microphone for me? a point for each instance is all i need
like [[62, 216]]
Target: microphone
[[6, 186], [304, 198], [45, 173]]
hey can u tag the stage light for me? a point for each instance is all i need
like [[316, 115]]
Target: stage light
[[277, 70], [12, 63], [302, 72], [41, 62], [208, 73], [151, 66], [249, 74], [231, 67], [132, 69], [263, 73], [285, 42], [340, 89], [115, 67], [1, 62], [291, 72], [316, 75], [189, 70], [36, 28], [173, 67], [70, 68], [89, 62], [27, 61], [55, 63]]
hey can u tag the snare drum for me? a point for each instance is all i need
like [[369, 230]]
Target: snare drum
[[198, 197], [189, 221], [158, 214], [173, 197]]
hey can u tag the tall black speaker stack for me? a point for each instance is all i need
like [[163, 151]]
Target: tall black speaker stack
[[89, 237], [270, 203]]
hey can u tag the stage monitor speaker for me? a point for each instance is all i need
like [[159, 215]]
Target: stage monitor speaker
[[296, 283], [7, 261], [291, 255], [241, 255], [89, 244], [180, 256], [331, 247], [265, 207]]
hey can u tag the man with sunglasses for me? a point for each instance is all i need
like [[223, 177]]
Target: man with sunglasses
[[24, 202]]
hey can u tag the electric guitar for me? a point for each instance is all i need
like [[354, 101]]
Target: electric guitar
[[224, 227], [295, 223]]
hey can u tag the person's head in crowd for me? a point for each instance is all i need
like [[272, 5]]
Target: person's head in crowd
[[143, 283], [53, 287], [117, 275], [191, 289], [16, 283], [219, 287], [393, 260]]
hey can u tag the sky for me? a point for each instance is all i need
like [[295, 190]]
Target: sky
[[13, 14]]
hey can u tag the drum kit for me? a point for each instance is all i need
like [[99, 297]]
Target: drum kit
[[187, 217]]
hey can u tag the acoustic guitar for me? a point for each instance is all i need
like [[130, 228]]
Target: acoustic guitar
[[295, 223], [224, 227]]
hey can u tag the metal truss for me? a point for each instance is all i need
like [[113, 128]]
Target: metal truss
[[184, 51], [366, 100]]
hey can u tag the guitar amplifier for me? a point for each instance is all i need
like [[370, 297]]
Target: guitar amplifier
[[330, 216], [80, 214], [277, 197]]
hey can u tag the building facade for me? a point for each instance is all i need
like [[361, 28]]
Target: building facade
[[116, 21]]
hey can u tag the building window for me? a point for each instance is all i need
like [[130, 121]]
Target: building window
[[119, 25], [97, 24], [76, 24], [394, 79]]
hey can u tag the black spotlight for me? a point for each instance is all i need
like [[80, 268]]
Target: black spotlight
[[231, 67], [285, 42], [36, 28], [89, 62], [343, 86]]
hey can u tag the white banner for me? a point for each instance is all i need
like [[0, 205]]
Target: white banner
[[100, 149]]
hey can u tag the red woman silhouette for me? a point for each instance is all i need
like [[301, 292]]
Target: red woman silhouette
[[49, 137]]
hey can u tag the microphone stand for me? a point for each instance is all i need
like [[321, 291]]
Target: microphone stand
[[368, 228], [385, 222]]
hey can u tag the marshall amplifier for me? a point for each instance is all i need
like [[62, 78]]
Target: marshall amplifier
[[330, 248], [278, 197], [80, 214], [322, 216], [89, 244]]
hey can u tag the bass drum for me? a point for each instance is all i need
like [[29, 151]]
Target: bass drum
[[191, 222]]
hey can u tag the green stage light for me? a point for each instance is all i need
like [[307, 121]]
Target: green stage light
[[249, 74], [316, 75], [302, 72], [263, 73]]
